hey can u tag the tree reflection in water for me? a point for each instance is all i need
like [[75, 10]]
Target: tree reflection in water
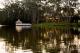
[[37, 40]]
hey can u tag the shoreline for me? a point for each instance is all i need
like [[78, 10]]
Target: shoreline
[[52, 25]]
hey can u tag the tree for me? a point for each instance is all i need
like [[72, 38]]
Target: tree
[[13, 12]]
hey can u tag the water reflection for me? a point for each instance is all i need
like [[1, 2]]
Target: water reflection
[[2, 46], [19, 28], [36, 40]]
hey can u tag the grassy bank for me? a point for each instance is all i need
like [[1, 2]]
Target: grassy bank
[[53, 25]]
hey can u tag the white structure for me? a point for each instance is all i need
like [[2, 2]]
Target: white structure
[[19, 23]]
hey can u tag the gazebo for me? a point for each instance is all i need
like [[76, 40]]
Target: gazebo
[[18, 22]]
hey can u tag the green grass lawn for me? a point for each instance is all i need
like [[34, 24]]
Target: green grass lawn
[[52, 25]]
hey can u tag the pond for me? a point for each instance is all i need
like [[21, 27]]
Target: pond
[[26, 39]]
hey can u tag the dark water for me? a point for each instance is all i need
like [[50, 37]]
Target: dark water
[[35, 40]]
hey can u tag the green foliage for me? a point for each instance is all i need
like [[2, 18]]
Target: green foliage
[[36, 10]]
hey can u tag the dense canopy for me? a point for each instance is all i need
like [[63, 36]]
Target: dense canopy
[[35, 11]]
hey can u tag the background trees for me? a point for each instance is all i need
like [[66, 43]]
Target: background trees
[[36, 11]]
